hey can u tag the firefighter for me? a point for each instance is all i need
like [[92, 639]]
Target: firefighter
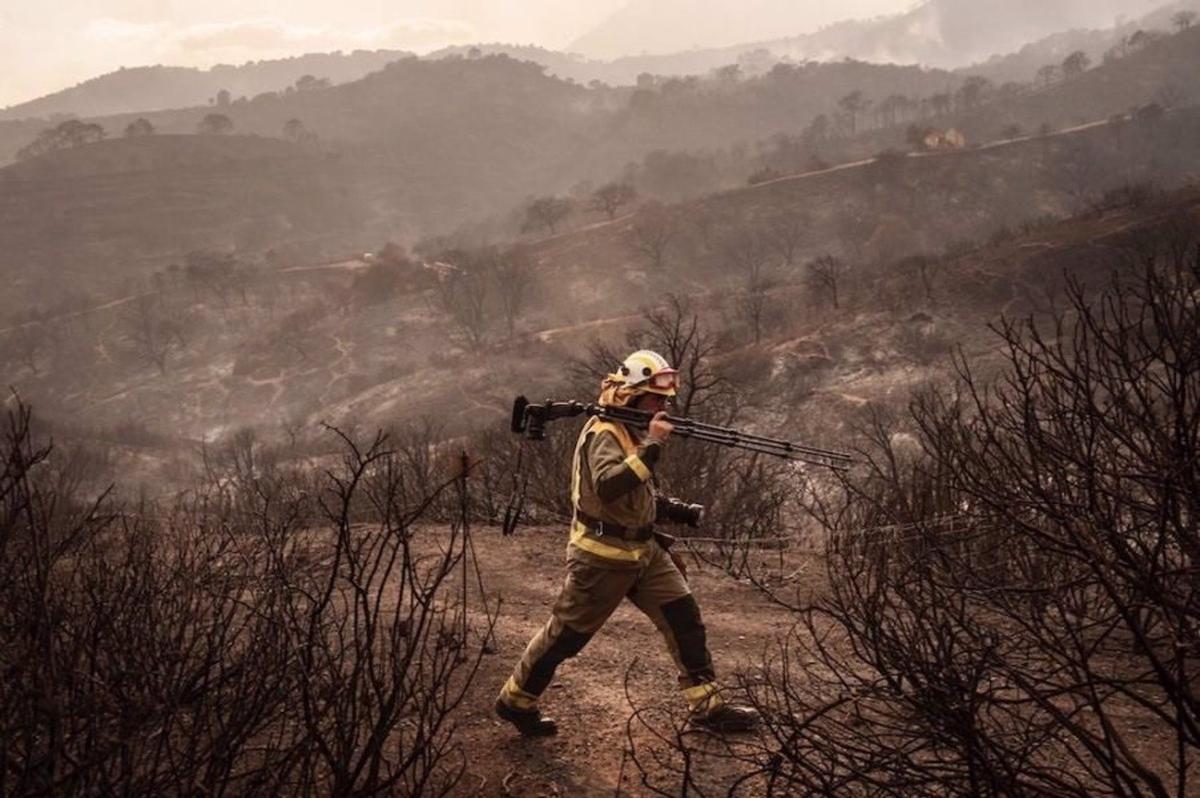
[[614, 553]]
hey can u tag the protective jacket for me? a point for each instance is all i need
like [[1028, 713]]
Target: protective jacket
[[613, 493]]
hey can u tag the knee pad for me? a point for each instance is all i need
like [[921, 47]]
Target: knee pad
[[683, 618], [566, 645]]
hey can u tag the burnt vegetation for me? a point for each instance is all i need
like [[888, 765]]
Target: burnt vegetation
[[1000, 599], [271, 631], [1012, 603], [347, 160]]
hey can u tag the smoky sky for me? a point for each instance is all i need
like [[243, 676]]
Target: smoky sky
[[45, 47], [49, 46]]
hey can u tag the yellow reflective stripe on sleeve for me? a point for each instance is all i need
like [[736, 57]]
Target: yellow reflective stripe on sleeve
[[702, 696], [517, 698], [638, 467], [580, 538]]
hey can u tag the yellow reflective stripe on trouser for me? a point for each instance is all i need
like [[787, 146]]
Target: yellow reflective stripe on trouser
[[638, 467], [702, 696], [580, 538], [515, 697]]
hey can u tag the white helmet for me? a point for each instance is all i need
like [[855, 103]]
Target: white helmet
[[650, 372]]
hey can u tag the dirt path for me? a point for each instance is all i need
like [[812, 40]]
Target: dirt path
[[341, 265], [338, 369], [548, 335], [75, 314], [587, 697], [989, 145]]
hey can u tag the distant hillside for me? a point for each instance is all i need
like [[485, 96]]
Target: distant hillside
[[1153, 76], [894, 206], [89, 219], [939, 32], [437, 139], [422, 147], [682, 115], [753, 60], [422, 144], [161, 152], [438, 142], [945, 33], [1162, 72], [156, 87], [622, 71], [459, 124], [331, 343], [929, 34], [1023, 65], [856, 39]]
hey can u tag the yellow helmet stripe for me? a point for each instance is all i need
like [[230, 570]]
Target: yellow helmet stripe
[[647, 359]]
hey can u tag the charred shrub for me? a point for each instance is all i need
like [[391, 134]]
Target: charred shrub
[[1012, 599], [260, 635], [1127, 195]]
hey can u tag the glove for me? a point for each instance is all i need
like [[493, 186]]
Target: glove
[[677, 512]]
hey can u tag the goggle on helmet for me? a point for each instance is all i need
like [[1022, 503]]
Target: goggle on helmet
[[650, 372]]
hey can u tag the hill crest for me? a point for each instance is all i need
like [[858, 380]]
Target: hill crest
[[150, 88]]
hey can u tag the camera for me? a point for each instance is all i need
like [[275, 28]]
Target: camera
[[676, 512], [529, 419]]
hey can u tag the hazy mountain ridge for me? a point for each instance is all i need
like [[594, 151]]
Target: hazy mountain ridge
[[850, 39], [149, 88], [272, 346], [375, 356], [422, 142], [622, 71], [1149, 79], [437, 142], [416, 106], [422, 147], [1024, 64], [95, 217], [914, 37], [944, 33]]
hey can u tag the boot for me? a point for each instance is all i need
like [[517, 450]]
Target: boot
[[724, 718], [529, 722]]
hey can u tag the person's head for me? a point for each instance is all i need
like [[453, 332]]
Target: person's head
[[644, 380]]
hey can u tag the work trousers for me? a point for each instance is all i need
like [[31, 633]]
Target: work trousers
[[590, 594]]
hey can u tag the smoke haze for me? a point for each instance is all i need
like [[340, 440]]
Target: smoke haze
[[44, 48], [952, 31]]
